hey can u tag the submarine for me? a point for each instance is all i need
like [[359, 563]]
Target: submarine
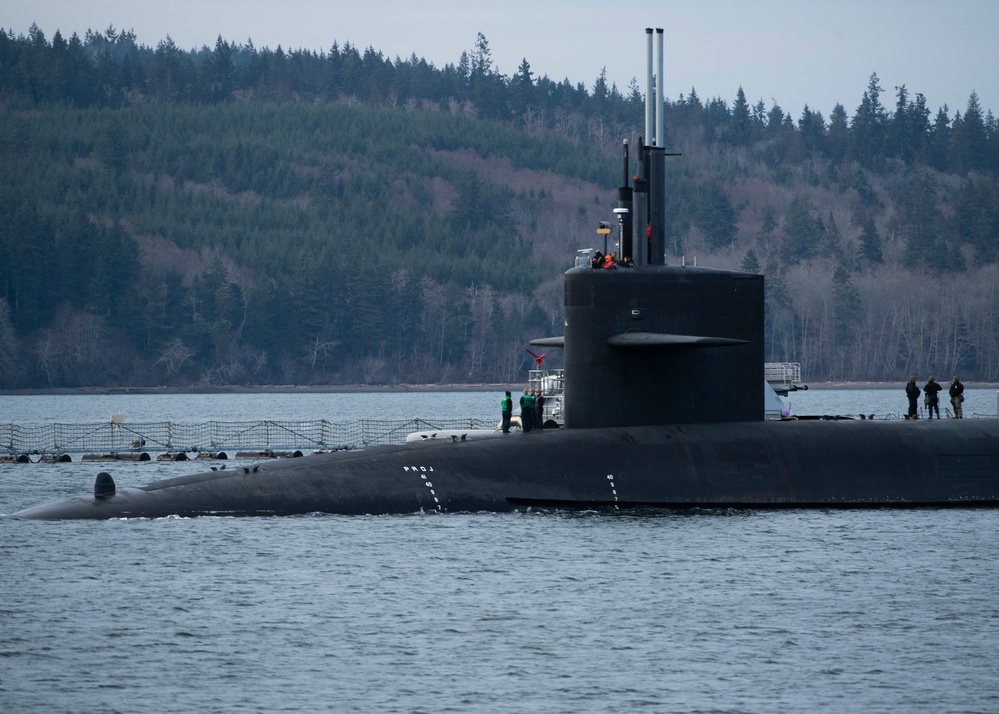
[[663, 408]]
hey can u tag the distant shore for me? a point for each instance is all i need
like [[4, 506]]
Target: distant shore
[[895, 385], [265, 389], [387, 389]]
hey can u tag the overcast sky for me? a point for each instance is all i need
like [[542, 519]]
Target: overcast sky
[[793, 52]]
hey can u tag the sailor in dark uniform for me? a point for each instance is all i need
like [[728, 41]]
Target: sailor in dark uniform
[[912, 392], [539, 410], [957, 397], [932, 391]]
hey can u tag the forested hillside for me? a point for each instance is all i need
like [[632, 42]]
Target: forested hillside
[[244, 216]]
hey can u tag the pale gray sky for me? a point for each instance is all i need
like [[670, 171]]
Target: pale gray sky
[[793, 51]]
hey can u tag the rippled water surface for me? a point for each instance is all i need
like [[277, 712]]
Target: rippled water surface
[[887, 611]]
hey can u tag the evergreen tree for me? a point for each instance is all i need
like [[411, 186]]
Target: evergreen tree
[[812, 128], [740, 125], [977, 213], [11, 361], [114, 287], [870, 242], [970, 142], [802, 232], [113, 152], [775, 120], [833, 240], [482, 58], [750, 262], [920, 223], [759, 119], [601, 92], [992, 142], [838, 136], [919, 130], [868, 127], [846, 306], [715, 215], [171, 72], [635, 99], [939, 141], [524, 89], [899, 139], [220, 71], [766, 238], [778, 313]]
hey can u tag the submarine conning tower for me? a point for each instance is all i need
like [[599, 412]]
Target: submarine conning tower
[[658, 344], [662, 345]]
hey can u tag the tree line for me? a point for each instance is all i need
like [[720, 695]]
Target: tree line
[[235, 215], [111, 69]]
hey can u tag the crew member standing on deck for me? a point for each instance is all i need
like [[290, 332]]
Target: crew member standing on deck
[[539, 410], [912, 392], [957, 397], [506, 410], [526, 411], [932, 391]]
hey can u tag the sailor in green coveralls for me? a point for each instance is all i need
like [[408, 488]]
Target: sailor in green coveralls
[[526, 411]]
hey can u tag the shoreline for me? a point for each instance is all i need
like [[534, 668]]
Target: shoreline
[[387, 389], [261, 389]]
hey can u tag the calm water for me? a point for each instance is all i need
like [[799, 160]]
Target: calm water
[[194, 408], [188, 408], [884, 611]]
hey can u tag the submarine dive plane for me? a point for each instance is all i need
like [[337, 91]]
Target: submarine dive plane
[[663, 408]]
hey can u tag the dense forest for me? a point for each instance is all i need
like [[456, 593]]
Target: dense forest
[[235, 215]]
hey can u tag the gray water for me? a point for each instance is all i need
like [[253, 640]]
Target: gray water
[[195, 408], [711, 611], [350, 406]]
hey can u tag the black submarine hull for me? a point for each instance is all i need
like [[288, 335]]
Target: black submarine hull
[[663, 407], [780, 464]]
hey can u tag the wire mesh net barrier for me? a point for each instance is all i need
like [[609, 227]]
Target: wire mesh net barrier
[[218, 435], [215, 435]]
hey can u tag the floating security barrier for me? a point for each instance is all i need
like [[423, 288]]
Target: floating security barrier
[[269, 454], [119, 456], [35, 458]]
